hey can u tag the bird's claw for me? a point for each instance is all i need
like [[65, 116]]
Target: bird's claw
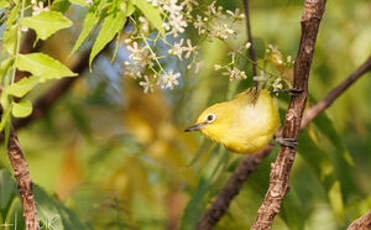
[[291, 91], [288, 142]]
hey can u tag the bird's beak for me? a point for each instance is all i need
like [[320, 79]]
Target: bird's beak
[[195, 127]]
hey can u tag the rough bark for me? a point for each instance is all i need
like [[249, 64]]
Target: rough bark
[[280, 170], [362, 223], [220, 206], [24, 182]]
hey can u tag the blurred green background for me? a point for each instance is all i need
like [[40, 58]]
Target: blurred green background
[[119, 158]]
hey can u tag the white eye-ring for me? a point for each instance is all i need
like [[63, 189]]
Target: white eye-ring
[[210, 117]]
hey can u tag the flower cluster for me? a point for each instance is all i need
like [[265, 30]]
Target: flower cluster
[[215, 23], [149, 50], [38, 7]]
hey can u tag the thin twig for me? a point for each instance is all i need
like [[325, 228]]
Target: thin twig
[[23, 177], [362, 223], [279, 176], [249, 37], [330, 98]]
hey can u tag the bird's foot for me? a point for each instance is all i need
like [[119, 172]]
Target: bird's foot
[[291, 91], [288, 142]]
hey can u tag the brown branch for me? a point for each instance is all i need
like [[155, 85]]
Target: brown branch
[[18, 162], [249, 37], [231, 189], [23, 177], [330, 98], [279, 176], [251, 162], [362, 223]]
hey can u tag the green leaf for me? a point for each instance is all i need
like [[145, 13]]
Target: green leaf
[[13, 216], [336, 200], [152, 13], [4, 66], [10, 39], [60, 5], [22, 87], [326, 126], [46, 23], [10, 33], [7, 188], [53, 215], [130, 10], [22, 108], [293, 212], [43, 66], [80, 3], [111, 26], [213, 169], [326, 170], [196, 205], [4, 4], [91, 19]]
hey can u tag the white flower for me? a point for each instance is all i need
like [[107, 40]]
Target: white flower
[[168, 80], [147, 85], [236, 15], [176, 23], [199, 25], [198, 66], [247, 45], [217, 67], [222, 31], [24, 29], [144, 28], [190, 49], [273, 49], [154, 2], [38, 8], [277, 85], [90, 2], [138, 54], [234, 73], [177, 49], [261, 77]]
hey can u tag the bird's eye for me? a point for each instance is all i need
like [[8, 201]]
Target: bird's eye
[[210, 118]]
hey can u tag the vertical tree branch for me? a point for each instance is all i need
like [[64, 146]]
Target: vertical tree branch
[[250, 163], [362, 223], [18, 162], [23, 177], [249, 37], [279, 176]]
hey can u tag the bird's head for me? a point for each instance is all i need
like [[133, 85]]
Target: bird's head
[[213, 121]]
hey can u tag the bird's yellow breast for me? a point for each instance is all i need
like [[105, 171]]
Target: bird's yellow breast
[[245, 124]]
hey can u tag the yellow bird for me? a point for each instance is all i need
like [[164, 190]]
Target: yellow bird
[[243, 125]]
